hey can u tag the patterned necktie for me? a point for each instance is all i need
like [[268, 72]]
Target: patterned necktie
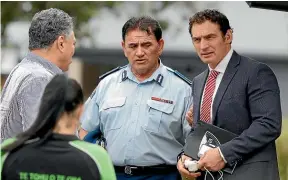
[[205, 114]]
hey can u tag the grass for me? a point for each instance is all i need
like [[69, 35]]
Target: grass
[[282, 151]]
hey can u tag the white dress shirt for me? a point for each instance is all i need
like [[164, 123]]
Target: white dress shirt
[[221, 67]]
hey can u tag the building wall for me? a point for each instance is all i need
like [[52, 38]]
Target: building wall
[[99, 62]]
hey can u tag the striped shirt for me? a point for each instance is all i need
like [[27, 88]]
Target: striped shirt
[[22, 93]]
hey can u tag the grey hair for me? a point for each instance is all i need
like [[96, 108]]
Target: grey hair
[[47, 26]]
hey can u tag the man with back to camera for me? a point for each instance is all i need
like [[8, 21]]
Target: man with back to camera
[[51, 45], [238, 94], [140, 108]]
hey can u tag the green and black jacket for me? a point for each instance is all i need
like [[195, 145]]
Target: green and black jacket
[[59, 157]]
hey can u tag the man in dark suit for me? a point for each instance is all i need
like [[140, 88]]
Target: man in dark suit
[[238, 94]]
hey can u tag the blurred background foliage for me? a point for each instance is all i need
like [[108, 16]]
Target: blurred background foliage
[[80, 11], [282, 151]]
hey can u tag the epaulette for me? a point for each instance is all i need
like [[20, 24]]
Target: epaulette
[[112, 71], [181, 76]]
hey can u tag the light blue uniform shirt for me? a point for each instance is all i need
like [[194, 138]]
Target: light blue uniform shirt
[[143, 122]]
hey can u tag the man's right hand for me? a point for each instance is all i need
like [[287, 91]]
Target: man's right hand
[[189, 116], [186, 175], [82, 133]]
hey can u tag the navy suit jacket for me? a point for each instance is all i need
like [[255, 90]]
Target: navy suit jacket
[[247, 103]]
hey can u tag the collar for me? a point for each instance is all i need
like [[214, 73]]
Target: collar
[[157, 76], [221, 67], [44, 62], [63, 137]]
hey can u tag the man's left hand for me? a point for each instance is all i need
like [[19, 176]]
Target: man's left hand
[[212, 160], [189, 116]]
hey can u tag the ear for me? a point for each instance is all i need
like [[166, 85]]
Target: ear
[[161, 46], [229, 36], [123, 47], [60, 43]]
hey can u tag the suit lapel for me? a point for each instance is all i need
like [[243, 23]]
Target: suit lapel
[[226, 79], [199, 91]]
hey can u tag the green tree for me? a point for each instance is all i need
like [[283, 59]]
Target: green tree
[[81, 11], [282, 149]]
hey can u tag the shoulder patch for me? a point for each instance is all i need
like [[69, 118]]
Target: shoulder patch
[[112, 71], [181, 76]]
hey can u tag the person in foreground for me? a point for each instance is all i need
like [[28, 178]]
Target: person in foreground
[[49, 149], [238, 94], [140, 108], [51, 47]]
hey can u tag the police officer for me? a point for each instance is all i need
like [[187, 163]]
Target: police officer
[[140, 108]]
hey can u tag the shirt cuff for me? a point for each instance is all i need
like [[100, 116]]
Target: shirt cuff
[[221, 155]]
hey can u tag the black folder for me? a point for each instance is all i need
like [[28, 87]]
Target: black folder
[[194, 139]]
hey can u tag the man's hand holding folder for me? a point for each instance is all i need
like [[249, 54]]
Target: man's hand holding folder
[[211, 160]]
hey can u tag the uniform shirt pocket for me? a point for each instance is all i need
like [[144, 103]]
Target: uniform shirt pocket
[[112, 103], [157, 111], [110, 113]]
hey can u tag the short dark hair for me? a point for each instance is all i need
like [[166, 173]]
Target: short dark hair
[[144, 23], [61, 95], [213, 16], [47, 26]]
